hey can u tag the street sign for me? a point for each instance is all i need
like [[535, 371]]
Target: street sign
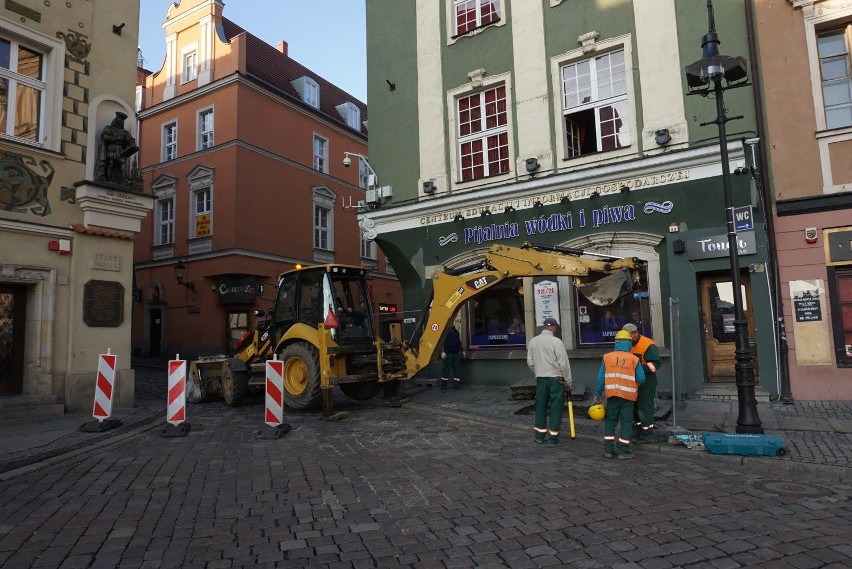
[[743, 219]]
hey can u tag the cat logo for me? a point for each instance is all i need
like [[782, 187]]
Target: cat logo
[[481, 282]]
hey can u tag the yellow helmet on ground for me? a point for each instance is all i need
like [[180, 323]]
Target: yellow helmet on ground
[[597, 412], [622, 335]]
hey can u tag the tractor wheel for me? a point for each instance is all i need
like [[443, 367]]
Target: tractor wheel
[[361, 391], [234, 385], [302, 388]]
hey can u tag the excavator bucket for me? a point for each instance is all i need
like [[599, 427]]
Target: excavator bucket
[[609, 289]]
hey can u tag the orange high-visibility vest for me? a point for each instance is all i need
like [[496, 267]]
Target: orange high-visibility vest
[[620, 375], [640, 347]]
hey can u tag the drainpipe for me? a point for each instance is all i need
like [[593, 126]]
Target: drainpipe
[[775, 280]]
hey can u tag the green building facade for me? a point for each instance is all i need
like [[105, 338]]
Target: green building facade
[[568, 124]]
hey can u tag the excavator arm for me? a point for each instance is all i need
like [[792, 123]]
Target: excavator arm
[[452, 287]]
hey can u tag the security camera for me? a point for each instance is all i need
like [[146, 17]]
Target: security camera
[[346, 161]]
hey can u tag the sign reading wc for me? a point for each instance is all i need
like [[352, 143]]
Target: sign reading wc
[[715, 246]]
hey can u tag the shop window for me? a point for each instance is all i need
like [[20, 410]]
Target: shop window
[[496, 317], [597, 325], [840, 288]]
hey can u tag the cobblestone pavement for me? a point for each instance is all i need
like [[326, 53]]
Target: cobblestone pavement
[[390, 487]]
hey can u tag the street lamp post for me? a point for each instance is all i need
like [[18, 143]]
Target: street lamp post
[[715, 68]]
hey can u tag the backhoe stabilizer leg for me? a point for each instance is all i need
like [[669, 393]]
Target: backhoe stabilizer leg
[[328, 413]]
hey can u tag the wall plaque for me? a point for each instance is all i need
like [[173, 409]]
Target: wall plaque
[[807, 307], [103, 303]]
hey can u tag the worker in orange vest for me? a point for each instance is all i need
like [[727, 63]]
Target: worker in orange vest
[[649, 357], [619, 379]]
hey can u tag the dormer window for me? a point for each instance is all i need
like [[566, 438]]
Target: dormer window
[[309, 90], [351, 114]]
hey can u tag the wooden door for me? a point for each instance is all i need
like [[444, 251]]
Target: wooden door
[[717, 315]]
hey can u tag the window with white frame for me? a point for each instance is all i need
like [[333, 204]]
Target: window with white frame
[[472, 14], [368, 248], [320, 154], [310, 93], [483, 142], [836, 75], [22, 90], [323, 219], [594, 105], [205, 129], [308, 89], [351, 114], [190, 66], [170, 141], [363, 173], [353, 117], [321, 227], [202, 211], [165, 231]]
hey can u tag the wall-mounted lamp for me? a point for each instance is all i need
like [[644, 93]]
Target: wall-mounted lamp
[[538, 204], [662, 136], [532, 165], [741, 170], [565, 199], [180, 274], [485, 212], [117, 29], [458, 217], [391, 86], [678, 246], [508, 209], [429, 187], [594, 196], [624, 190]]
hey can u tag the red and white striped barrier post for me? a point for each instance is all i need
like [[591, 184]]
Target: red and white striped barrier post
[[274, 389], [274, 413], [104, 390], [176, 403], [104, 385]]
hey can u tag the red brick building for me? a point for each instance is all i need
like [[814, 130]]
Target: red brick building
[[242, 148]]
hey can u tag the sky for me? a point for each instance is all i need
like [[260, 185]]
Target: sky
[[311, 28]]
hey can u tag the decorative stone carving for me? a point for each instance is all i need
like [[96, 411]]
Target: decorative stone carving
[[77, 44], [476, 77], [587, 41], [21, 186]]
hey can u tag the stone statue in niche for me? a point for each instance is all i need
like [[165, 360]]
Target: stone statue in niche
[[116, 145]]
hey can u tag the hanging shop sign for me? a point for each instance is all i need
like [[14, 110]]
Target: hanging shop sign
[[716, 246], [237, 290]]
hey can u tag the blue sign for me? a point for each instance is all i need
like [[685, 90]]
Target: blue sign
[[743, 219]]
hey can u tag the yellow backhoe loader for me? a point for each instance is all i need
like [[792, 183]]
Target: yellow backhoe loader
[[321, 325]]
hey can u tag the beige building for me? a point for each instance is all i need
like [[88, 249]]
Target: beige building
[[67, 231], [805, 59]]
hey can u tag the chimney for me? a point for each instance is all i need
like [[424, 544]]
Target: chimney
[[282, 47]]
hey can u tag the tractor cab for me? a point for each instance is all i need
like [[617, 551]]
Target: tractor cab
[[333, 295]]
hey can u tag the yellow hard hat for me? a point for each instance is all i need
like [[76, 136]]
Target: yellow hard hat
[[622, 335], [597, 412]]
